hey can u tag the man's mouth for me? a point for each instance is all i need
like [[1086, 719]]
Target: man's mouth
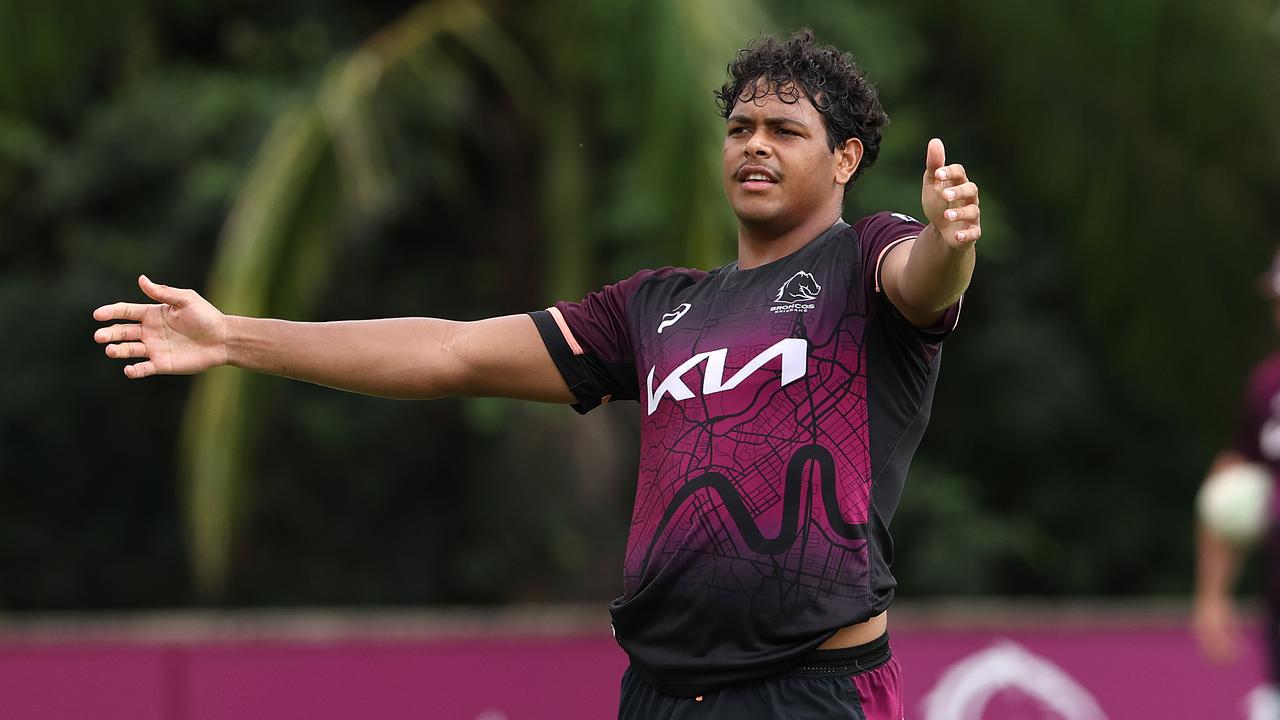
[[756, 177]]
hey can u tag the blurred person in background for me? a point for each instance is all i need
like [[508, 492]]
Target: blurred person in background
[[782, 397], [1219, 557]]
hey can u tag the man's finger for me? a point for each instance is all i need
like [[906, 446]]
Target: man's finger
[[120, 311], [126, 350], [140, 370], [162, 293], [935, 157], [966, 213], [118, 333], [966, 191], [953, 174]]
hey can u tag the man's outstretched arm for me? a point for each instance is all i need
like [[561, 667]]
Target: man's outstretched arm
[[1218, 561], [925, 276], [410, 358]]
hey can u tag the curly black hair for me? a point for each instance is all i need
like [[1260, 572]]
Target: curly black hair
[[831, 80]]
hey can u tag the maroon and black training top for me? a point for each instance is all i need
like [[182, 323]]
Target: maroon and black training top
[[780, 408]]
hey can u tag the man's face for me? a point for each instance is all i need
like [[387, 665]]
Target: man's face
[[777, 167]]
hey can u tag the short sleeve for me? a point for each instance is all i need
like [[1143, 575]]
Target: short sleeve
[[590, 343], [878, 234]]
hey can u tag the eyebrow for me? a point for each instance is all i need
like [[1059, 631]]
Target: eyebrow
[[773, 120]]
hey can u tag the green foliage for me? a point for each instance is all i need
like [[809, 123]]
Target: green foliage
[[88, 504], [278, 242], [1152, 160], [1103, 350]]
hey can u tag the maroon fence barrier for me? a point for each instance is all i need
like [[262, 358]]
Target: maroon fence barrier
[[987, 664]]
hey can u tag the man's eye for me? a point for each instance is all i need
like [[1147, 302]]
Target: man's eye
[[737, 130], [784, 131]]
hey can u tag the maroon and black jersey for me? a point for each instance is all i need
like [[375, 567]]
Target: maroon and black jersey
[[780, 408]]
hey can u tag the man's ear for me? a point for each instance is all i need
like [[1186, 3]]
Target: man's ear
[[848, 157]]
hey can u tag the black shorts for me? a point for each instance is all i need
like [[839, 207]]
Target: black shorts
[[858, 683]]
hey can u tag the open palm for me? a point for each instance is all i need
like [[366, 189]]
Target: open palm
[[181, 334]]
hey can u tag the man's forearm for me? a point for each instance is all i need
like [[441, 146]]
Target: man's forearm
[[936, 272], [408, 358], [1217, 567]]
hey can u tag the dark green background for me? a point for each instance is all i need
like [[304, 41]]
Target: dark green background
[[1127, 154]]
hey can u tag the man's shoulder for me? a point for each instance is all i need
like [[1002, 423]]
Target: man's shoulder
[[886, 220], [671, 271], [667, 274], [653, 284]]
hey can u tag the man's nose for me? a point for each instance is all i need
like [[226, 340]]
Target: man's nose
[[757, 147]]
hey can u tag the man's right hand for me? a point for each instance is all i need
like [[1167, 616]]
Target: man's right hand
[[181, 334]]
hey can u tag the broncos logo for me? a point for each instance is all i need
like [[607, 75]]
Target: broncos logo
[[801, 287]]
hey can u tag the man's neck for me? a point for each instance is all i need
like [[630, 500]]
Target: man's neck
[[760, 244]]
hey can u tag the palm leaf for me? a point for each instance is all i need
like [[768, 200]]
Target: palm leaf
[[277, 243]]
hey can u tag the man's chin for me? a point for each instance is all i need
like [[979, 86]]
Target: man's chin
[[755, 214]]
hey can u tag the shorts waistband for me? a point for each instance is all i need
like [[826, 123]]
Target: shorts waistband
[[844, 661]]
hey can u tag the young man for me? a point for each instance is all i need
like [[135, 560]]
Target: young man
[[1218, 560], [782, 397]]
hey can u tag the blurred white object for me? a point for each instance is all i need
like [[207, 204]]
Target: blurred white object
[[1262, 703], [1233, 502]]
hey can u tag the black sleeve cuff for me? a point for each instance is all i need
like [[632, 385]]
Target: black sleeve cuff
[[932, 335], [591, 381]]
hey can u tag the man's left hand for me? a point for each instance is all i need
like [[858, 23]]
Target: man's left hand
[[950, 199]]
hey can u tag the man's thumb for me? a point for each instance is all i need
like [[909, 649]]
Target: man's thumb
[[935, 157], [159, 293]]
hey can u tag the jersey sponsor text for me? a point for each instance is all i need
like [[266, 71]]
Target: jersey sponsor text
[[795, 361]]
